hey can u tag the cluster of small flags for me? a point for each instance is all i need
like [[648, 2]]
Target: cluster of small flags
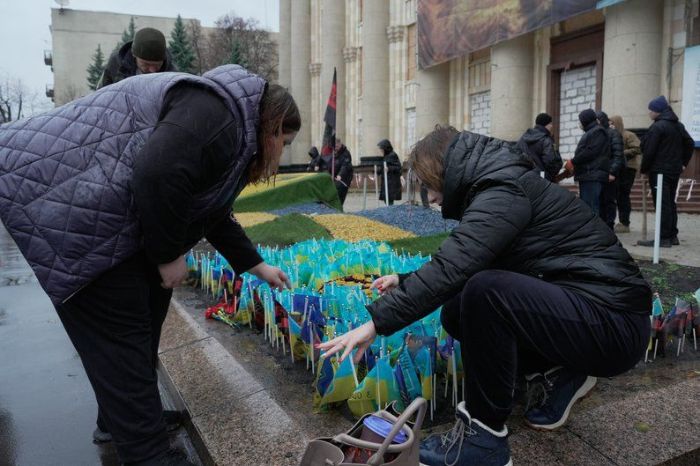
[[680, 323], [328, 298]]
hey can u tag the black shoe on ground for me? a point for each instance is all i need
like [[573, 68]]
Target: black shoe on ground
[[173, 420], [562, 388], [664, 243], [674, 241], [168, 458]]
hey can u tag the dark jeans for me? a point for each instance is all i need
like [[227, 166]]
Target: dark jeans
[[608, 203], [624, 205], [589, 192], [669, 215], [115, 324], [509, 323], [342, 191]]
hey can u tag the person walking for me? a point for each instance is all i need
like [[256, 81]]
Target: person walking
[[105, 212], [343, 169], [393, 173], [530, 280], [608, 201], [666, 149], [632, 153], [591, 162], [538, 143]]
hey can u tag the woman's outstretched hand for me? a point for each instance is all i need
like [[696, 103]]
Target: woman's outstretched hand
[[274, 276], [359, 338], [386, 283]]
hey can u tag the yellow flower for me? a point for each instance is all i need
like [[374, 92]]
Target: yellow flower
[[356, 228], [279, 180], [248, 219]]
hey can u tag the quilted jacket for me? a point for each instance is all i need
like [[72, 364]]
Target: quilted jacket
[[65, 175], [511, 219]]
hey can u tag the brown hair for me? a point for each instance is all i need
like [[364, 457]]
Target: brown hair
[[617, 121], [427, 156], [278, 113]]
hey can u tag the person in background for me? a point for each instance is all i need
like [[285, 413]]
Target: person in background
[[538, 143], [147, 53], [343, 169], [393, 173], [608, 198], [315, 157], [666, 149], [530, 280], [191, 145], [591, 162], [632, 153]]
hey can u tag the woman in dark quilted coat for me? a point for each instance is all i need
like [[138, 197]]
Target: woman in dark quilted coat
[[393, 173], [116, 187], [531, 282]]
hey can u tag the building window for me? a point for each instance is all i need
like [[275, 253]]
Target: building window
[[411, 51], [577, 93], [480, 113]]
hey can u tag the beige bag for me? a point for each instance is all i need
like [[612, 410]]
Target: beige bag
[[330, 451]]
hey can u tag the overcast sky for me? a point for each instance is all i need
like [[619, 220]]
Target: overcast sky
[[24, 26]]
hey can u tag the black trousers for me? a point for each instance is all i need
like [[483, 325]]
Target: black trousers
[[509, 324], [115, 324], [608, 203], [669, 214], [624, 189], [342, 191]]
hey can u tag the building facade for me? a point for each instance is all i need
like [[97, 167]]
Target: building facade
[[615, 59]]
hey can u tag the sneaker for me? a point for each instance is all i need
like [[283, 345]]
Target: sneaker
[[622, 228], [173, 420], [664, 243], [469, 442], [561, 389]]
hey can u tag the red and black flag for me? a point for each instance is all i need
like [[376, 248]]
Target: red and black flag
[[329, 118]]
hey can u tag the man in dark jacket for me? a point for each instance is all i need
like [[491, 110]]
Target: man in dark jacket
[[147, 53], [591, 160], [538, 143], [666, 149], [608, 198], [530, 277], [393, 173], [343, 169]]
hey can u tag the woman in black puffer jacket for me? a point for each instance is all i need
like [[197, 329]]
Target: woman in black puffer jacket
[[532, 281]]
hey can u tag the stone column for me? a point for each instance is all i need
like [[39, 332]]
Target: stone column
[[511, 87], [631, 73], [333, 30], [432, 98], [300, 77], [375, 75], [285, 46]]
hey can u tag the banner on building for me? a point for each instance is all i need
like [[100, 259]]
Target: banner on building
[[691, 93], [451, 28]]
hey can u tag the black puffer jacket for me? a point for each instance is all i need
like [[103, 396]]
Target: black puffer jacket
[[122, 64], [511, 219], [667, 147], [393, 172], [592, 157], [539, 145], [617, 146]]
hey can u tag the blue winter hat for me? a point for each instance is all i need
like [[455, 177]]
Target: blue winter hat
[[658, 104]]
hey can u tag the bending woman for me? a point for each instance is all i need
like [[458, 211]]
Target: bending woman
[[532, 282]]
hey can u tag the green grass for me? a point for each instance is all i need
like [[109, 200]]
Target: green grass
[[426, 245], [286, 230]]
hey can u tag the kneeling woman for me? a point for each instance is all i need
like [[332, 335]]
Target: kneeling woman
[[532, 282]]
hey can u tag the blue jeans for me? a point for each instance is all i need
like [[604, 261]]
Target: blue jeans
[[589, 192]]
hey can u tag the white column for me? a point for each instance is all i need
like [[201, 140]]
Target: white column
[[333, 17], [375, 75], [432, 98], [511, 87], [631, 73], [300, 77], [285, 46]]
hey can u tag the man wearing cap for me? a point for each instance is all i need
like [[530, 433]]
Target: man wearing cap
[[145, 54], [538, 143], [591, 160], [666, 149]]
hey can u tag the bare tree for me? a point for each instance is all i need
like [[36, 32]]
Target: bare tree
[[199, 45], [12, 97], [242, 41]]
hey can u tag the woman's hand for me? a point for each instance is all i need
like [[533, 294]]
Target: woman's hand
[[386, 283], [274, 276], [173, 273], [359, 338]]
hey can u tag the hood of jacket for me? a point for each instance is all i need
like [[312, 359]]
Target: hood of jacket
[[668, 115], [536, 134]]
